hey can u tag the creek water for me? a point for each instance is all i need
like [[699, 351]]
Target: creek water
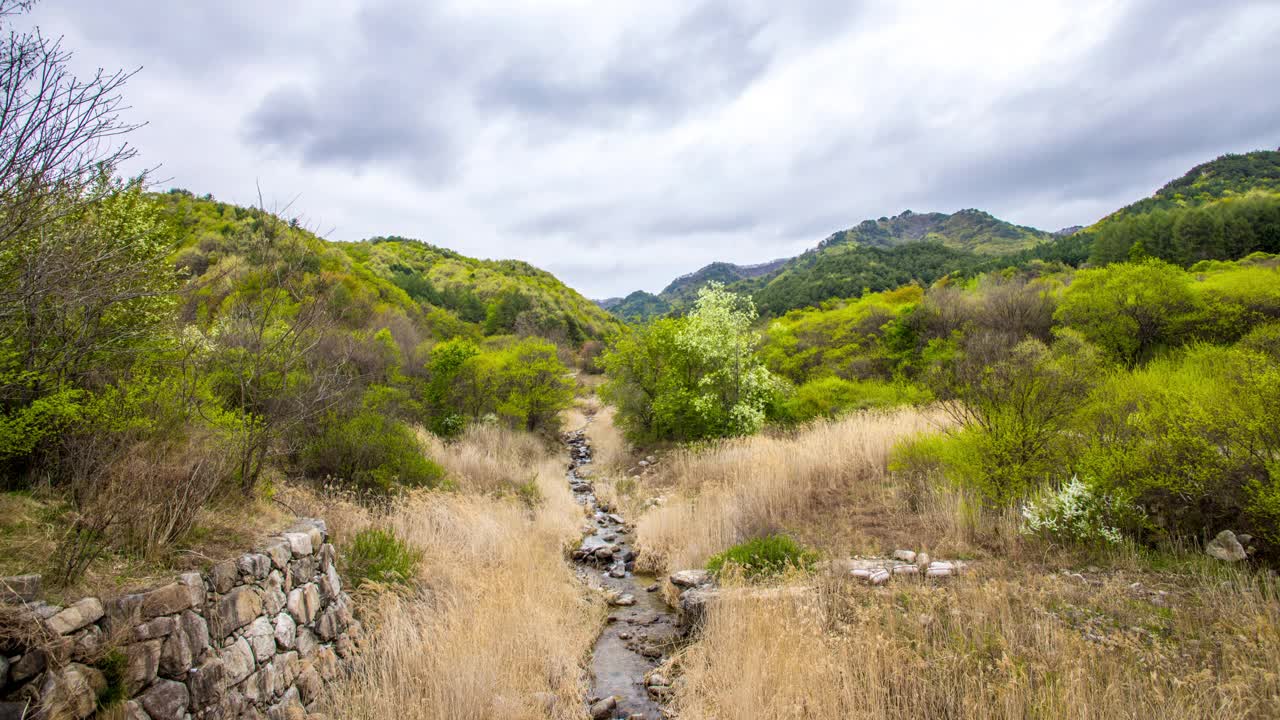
[[642, 629]]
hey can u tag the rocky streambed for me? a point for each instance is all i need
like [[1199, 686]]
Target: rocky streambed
[[641, 628]]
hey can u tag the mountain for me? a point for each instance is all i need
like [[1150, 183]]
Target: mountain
[[873, 255], [446, 292], [1219, 210], [639, 306], [972, 230]]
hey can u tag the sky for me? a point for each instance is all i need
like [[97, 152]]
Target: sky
[[621, 144]]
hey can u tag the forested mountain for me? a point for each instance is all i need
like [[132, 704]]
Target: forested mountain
[[971, 229], [639, 306], [1222, 209], [684, 289]]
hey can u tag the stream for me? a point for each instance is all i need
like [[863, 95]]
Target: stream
[[641, 627]]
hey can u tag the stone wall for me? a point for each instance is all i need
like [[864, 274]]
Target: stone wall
[[255, 637]]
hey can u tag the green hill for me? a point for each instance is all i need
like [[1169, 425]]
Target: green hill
[[639, 306], [1219, 210], [972, 230]]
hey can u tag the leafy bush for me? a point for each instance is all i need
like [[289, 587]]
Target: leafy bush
[[832, 396], [764, 557], [372, 451], [1072, 514], [377, 555]]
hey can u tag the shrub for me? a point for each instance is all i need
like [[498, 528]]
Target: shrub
[[1072, 514], [372, 451], [378, 555], [832, 396], [764, 557]]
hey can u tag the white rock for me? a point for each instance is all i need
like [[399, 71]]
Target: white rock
[[906, 556], [905, 570], [879, 577]]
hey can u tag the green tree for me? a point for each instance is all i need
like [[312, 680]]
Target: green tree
[[1129, 310]]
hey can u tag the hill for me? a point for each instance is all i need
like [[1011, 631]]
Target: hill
[[972, 230], [639, 306], [684, 289], [1219, 210]]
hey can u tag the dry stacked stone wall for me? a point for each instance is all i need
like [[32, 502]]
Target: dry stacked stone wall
[[254, 637]]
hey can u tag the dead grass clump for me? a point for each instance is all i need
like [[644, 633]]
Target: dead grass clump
[[497, 625], [487, 458], [1010, 644], [760, 485]]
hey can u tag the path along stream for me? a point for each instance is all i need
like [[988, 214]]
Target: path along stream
[[641, 627]]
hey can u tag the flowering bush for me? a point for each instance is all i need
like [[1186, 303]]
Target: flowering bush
[[1075, 514]]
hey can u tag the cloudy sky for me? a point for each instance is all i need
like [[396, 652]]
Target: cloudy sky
[[620, 144]]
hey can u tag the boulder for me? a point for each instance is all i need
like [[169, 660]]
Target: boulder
[[623, 600], [254, 565], [306, 642], [237, 609], [195, 587], [166, 700], [261, 635], [878, 577], [153, 629], [79, 614], [123, 613], [289, 707], [224, 576], [299, 543], [286, 632], [237, 661], [1226, 547], [693, 607], [940, 570], [279, 551], [132, 711], [685, 579], [19, 588], [304, 603], [309, 683], [906, 556], [168, 600], [207, 683], [144, 662], [603, 709], [71, 692]]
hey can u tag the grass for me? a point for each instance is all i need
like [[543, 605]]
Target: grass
[[1030, 630], [378, 555], [495, 624], [763, 557], [811, 482]]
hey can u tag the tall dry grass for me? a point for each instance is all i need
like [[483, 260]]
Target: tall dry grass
[[496, 625], [1006, 645], [763, 484]]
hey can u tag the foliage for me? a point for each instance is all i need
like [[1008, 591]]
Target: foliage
[[764, 557], [831, 397], [380, 556], [1130, 309], [373, 452], [692, 377], [1072, 514]]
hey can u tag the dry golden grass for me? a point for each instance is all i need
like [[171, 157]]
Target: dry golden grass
[[1006, 644], [488, 458], [753, 486], [497, 625]]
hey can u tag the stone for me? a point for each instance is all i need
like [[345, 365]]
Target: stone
[[278, 550], [237, 661], [693, 607], [690, 578], [261, 635], [306, 642], [289, 707], [304, 603], [224, 576], [878, 577], [623, 600], [19, 588], [286, 632], [922, 560], [326, 663], [940, 570], [861, 573], [330, 582], [309, 683], [133, 711], [328, 557], [166, 700], [123, 613], [207, 683], [176, 656], [604, 709], [155, 628], [79, 614], [299, 543], [86, 645], [906, 556], [1226, 547], [144, 662], [168, 600], [618, 572], [254, 565], [195, 587], [345, 646], [237, 609], [302, 570], [26, 666], [71, 692], [905, 570], [332, 622]]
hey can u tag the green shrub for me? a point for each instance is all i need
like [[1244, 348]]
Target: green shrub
[[830, 397], [764, 557], [114, 666], [377, 555], [373, 452]]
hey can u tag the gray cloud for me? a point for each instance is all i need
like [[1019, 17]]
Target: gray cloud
[[622, 145]]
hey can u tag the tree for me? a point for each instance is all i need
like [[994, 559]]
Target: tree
[[1129, 309]]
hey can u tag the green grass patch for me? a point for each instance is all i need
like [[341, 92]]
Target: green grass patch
[[764, 557], [377, 555]]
